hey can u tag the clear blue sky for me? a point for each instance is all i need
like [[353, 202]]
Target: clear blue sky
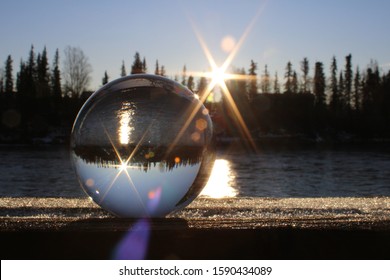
[[111, 31]]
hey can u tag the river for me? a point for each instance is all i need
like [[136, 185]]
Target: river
[[46, 171]]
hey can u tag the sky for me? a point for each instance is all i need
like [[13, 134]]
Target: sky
[[273, 31]]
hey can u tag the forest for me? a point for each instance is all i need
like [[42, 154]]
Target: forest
[[348, 104]]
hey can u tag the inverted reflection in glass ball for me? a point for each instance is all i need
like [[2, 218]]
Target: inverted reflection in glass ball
[[142, 146]]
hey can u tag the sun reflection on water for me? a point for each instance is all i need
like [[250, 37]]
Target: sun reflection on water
[[125, 128], [221, 180]]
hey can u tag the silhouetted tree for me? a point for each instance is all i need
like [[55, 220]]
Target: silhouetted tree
[[294, 82], [319, 86], [341, 90], [76, 71], [1, 82], [375, 102], [21, 78], [305, 77], [265, 81], [157, 69], [276, 83], [184, 76], [31, 74], [144, 66], [252, 92], [162, 71], [190, 83], [137, 67], [357, 89], [9, 81], [56, 76], [123, 69], [105, 78], [348, 81], [43, 77], [288, 76], [334, 97], [370, 89]]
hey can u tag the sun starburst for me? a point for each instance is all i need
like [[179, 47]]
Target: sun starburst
[[123, 166], [218, 75]]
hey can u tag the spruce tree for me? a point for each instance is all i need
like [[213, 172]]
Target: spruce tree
[[42, 83], [334, 97], [9, 81], [144, 67], [157, 69], [294, 82], [341, 93], [162, 71], [319, 86], [31, 62], [21, 79], [123, 69], [305, 77], [137, 66], [105, 78], [184, 76], [56, 77], [276, 83], [252, 92], [288, 76], [1, 82], [348, 81], [190, 83], [31, 74], [265, 81], [357, 90], [370, 90]]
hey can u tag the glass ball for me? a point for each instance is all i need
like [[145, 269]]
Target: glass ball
[[142, 146]]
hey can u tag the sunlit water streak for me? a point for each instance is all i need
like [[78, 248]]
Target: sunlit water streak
[[221, 180], [125, 127]]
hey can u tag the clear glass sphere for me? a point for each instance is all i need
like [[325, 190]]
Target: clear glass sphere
[[142, 146]]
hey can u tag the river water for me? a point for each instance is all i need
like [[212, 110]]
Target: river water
[[46, 171]]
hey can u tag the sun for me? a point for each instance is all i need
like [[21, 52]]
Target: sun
[[123, 166], [218, 76]]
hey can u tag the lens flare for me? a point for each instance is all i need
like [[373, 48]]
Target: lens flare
[[134, 245], [227, 44]]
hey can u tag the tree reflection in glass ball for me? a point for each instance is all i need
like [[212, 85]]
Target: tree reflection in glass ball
[[142, 146]]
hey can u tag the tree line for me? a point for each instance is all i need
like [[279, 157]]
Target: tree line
[[347, 105], [348, 101]]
